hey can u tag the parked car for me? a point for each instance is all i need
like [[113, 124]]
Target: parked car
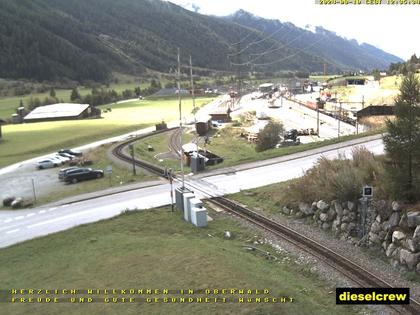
[[60, 158], [67, 155], [47, 163], [81, 174], [74, 153], [64, 171]]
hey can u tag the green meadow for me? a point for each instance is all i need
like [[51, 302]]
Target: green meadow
[[24, 141], [157, 249]]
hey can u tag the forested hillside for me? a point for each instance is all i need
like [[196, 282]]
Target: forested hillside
[[88, 40], [335, 51]]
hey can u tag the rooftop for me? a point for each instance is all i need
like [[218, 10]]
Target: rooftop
[[57, 110]]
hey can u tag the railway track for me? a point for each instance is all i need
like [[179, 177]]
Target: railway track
[[175, 143], [118, 152], [352, 271]]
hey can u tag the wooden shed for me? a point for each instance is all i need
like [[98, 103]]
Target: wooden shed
[[221, 115]]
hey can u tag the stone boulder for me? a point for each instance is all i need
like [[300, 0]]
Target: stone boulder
[[375, 227], [285, 210], [323, 217], [345, 219], [336, 224], [393, 221], [331, 214], [17, 203], [398, 236], [396, 206], [403, 222], [338, 208], [390, 250], [322, 205], [416, 234], [413, 219], [396, 253], [408, 258], [305, 209], [413, 245], [374, 238], [351, 205], [7, 201], [299, 215]]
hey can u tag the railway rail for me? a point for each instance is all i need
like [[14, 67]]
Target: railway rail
[[175, 143], [354, 272]]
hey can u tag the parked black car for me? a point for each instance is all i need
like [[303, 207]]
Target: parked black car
[[68, 151], [64, 171], [81, 174]]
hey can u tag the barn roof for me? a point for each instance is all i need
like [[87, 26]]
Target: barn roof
[[57, 111]]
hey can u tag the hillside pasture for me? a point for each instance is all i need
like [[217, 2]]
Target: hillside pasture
[[25, 141]]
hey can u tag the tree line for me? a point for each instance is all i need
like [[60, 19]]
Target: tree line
[[97, 96], [411, 65]]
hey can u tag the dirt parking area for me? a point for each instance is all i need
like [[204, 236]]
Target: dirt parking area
[[22, 181]]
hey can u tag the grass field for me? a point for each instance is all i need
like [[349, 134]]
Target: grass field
[[8, 105], [24, 141], [270, 198], [228, 144], [158, 250], [160, 144], [392, 82], [323, 78]]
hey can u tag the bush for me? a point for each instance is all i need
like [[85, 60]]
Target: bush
[[340, 179], [269, 136]]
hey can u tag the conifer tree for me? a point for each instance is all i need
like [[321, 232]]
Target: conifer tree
[[402, 142]]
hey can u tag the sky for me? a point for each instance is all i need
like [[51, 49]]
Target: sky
[[393, 28]]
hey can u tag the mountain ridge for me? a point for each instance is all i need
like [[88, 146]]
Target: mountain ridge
[[88, 40]]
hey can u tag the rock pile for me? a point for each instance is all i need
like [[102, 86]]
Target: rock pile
[[381, 225]]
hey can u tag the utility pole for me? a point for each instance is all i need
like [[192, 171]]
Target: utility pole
[[192, 88], [172, 190], [317, 118], [363, 101], [132, 158], [33, 189], [339, 118], [180, 120], [238, 69]]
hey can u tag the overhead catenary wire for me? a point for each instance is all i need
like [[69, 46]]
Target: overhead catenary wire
[[243, 39], [254, 43], [267, 52], [287, 57], [282, 46], [280, 41]]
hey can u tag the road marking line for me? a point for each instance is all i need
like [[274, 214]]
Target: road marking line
[[8, 220], [13, 231], [30, 214], [42, 211], [51, 209], [19, 217], [63, 206]]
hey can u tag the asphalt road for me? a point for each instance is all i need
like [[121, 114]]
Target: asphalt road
[[17, 226]]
